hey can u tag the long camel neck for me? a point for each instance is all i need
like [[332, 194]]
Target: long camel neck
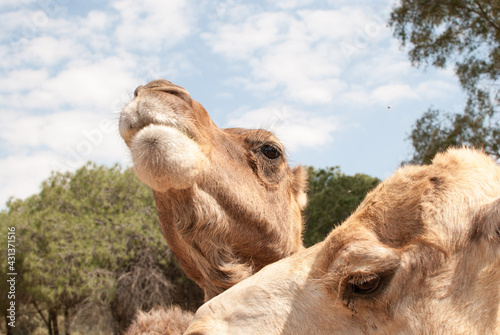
[[190, 220]]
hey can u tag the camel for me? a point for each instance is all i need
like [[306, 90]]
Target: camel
[[227, 200], [420, 255]]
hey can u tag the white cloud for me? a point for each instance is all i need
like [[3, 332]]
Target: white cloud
[[357, 95], [391, 93], [36, 145], [429, 90], [97, 21], [99, 142], [300, 55], [21, 174], [23, 80], [48, 50], [11, 23], [241, 40], [290, 4], [341, 24], [150, 25], [15, 3], [46, 131], [435, 89], [296, 129], [29, 23], [387, 77], [306, 77], [381, 68], [81, 85]]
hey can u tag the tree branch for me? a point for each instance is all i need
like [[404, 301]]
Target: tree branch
[[41, 314], [480, 12], [486, 16]]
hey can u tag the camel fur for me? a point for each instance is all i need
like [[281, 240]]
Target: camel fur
[[420, 255], [227, 200]]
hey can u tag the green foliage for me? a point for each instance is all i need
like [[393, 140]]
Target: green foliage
[[466, 33], [84, 235], [436, 131], [333, 196], [74, 233]]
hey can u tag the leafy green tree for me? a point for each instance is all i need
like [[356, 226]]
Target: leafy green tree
[[91, 238], [466, 33], [436, 131], [333, 196]]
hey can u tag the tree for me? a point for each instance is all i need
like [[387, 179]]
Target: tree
[[466, 33], [436, 131], [333, 196], [91, 238]]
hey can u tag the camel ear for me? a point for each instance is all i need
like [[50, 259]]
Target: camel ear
[[489, 221], [300, 176]]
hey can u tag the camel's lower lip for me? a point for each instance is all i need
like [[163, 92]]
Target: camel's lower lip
[[130, 133], [171, 125], [166, 158]]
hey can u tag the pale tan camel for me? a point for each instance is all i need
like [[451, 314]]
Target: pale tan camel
[[228, 202], [421, 255]]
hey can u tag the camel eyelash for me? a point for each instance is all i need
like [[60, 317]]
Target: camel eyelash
[[365, 285]]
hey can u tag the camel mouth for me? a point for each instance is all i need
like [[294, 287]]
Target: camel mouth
[[158, 131]]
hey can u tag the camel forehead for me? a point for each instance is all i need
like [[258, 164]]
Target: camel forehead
[[394, 211], [419, 201], [388, 220]]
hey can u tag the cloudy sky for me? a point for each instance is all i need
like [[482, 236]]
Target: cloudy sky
[[326, 76]]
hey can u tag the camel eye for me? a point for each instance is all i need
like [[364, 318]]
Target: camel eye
[[365, 285], [270, 151]]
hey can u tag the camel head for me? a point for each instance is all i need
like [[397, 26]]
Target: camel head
[[228, 202], [421, 255]]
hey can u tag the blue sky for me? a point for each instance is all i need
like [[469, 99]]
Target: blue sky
[[326, 76]]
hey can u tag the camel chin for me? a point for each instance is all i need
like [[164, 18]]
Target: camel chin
[[165, 158]]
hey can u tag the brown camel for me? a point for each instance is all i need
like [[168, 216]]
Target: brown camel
[[228, 202], [421, 255]]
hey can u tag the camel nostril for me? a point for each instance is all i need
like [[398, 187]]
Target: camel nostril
[[137, 90]]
